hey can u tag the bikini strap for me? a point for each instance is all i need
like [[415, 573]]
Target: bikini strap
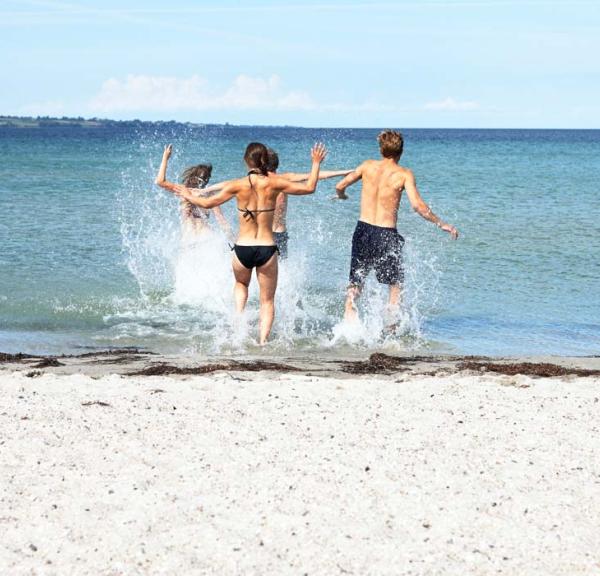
[[248, 214]]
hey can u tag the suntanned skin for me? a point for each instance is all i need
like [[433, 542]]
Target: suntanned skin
[[196, 225], [258, 231], [279, 220], [383, 182]]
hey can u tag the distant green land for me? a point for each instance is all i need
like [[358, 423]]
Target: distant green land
[[39, 121]]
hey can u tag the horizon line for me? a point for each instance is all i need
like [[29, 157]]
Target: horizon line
[[229, 124]]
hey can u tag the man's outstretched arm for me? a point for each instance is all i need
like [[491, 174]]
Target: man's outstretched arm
[[419, 205], [323, 175], [354, 176]]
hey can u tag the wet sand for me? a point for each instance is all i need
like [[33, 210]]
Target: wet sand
[[381, 465]]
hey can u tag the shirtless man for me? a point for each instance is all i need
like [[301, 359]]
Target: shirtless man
[[280, 234], [376, 243]]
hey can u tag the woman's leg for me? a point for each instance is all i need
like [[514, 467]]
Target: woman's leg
[[242, 281], [267, 283]]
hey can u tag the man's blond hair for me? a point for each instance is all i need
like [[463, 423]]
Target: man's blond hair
[[391, 144]]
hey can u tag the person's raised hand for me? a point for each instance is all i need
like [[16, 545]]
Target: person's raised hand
[[168, 150], [318, 152]]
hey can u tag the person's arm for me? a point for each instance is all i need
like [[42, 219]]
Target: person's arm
[[226, 194], [308, 186], [350, 179], [223, 223], [161, 177], [213, 188], [323, 175], [419, 206]]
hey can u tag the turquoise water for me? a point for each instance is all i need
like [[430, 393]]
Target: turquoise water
[[91, 255]]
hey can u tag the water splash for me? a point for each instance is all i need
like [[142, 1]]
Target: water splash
[[185, 283]]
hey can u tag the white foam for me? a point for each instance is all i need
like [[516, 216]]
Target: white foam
[[202, 274]]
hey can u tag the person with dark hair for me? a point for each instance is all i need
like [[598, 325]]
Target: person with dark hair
[[280, 233], [256, 195], [194, 220], [376, 243]]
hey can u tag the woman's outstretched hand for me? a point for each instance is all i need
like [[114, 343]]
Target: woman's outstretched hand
[[167, 151], [318, 152]]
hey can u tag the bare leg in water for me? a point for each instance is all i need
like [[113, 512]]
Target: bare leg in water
[[393, 308], [267, 282], [242, 281], [350, 311]]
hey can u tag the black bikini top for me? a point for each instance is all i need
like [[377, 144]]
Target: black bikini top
[[251, 214]]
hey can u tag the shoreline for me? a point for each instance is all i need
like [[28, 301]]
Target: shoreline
[[137, 362]]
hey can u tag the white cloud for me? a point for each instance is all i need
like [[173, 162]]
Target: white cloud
[[452, 105], [169, 93]]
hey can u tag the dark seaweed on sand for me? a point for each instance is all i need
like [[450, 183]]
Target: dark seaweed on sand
[[252, 366], [111, 352], [132, 353], [5, 357], [380, 363], [48, 363], [541, 369], [96, 403]]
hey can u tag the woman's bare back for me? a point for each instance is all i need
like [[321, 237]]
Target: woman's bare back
[[256, 202]]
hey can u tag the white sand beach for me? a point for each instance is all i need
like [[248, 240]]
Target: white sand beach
[[293, 473]]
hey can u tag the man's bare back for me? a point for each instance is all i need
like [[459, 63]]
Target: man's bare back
[[382, 185]]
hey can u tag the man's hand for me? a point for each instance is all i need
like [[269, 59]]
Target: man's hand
[[340, 195], [318, 152], [167, 151], [450, 229]]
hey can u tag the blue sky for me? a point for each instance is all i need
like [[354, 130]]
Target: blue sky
[[427, 63]]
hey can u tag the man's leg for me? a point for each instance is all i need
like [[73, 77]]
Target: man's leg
[[350, 310], [359, 269], [389, 270], [393, 307], [242, 280], [267, 282]]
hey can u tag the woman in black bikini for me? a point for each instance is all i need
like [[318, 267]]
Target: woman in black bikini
[[256, 196]]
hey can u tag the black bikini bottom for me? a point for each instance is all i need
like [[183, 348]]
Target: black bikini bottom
[[254, 256]]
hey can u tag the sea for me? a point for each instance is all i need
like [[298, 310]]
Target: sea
[[92, 257]]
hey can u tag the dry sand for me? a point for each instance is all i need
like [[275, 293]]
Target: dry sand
[[291, 473]]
